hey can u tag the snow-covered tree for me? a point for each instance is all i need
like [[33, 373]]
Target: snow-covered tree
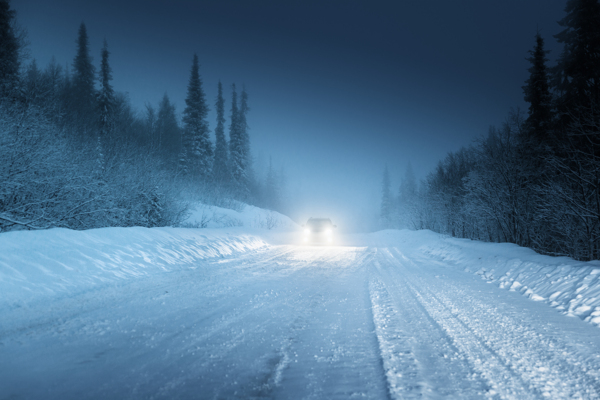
[[406, 213], [167, 138], [106, 103], [106, 94], [244, 134], [272, 191], [197, 153], [237, 159], [82, 85], [387, 202], [221, 160]]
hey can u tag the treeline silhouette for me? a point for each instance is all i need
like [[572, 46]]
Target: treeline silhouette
[[535, 181]]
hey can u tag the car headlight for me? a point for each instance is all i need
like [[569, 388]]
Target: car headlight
[[307, 231]]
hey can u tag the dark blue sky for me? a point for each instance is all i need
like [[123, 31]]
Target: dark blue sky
[[336, 88]]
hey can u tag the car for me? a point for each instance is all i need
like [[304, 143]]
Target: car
[[318, 230]]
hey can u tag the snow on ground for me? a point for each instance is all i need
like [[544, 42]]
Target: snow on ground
[[243, 312], [573, 287], [205, 216], [35, 264]]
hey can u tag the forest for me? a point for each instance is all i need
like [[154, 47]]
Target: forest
[[75, 154], [535, 180]]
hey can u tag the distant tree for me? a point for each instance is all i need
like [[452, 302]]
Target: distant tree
[[198, 152], [244, 134], [82, 84], [498, 189], [408, 187], [9, 50], [386, 200], [537, 94], [106, 95], [168, 133], [106, 106], [271, 189], [406, 212], [446, 195], [55, 80], [150, 125], [33, 85], [221, 161]]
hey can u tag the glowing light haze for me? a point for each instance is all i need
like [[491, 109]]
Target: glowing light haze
[[336, 88]]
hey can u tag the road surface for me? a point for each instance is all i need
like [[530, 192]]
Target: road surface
[[299, 322]]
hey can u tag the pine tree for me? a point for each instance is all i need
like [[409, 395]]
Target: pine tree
[[236, 151], [53, 75], [220, 166], [537, 94], [244, 135], [386, 199], [106, 95], [272, 193], [106, 103], [32, 83], [198, 152], [239, 146], [578, 70], [82, 84], [9, 51], [168, 133], [408, 187]]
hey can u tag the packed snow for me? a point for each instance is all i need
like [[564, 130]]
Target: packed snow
[[244, 311], [572, 287]]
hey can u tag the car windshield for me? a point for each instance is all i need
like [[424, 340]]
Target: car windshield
[[319, 223]]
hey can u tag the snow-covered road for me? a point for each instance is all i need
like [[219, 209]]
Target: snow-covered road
[[299, 322]]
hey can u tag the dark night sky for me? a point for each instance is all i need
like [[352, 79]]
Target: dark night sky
[[336, 88]]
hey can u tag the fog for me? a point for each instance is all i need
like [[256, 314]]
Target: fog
[[336, 90]]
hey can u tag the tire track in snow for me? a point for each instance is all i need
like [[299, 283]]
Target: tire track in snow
[[399, 364], [520, 362], [419, 359]]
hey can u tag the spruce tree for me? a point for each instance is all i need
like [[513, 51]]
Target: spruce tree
[[272, 191], [408, 187], [245, 137], [236, 152], [82, 84], [239, 146], [198, 152], [386, 199], [53, 74], [105, 103], [106, 95], [168, 133], [32, 83], [220, 166], [537, 94], [578, 70], [9, 51]]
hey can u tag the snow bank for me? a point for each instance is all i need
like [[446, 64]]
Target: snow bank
[[567, 285], [204, 216], [34, 264], [38, 263]]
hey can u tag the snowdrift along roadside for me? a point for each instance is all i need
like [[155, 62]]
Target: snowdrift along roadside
[[571, 286], [34, 264], [56, 261]]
